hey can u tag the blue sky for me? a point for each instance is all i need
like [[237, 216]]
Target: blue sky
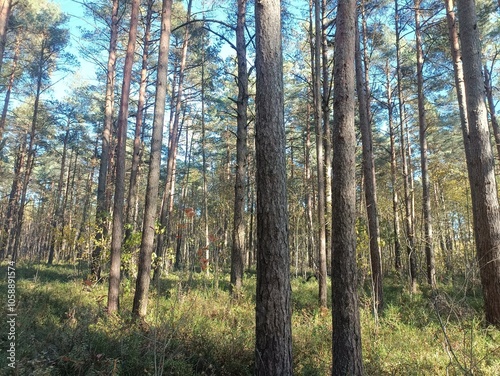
[[86, 70]]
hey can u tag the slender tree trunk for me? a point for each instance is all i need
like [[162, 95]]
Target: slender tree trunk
[[327, 132], [480, 163], [273, 349], [395, 199], [137, 152], [347, 355], [118, 222], [239, 226], [30, 152], [102, 214], [166, 209], [491, 108], [311, 244], [426, 186], [148, 232], [56, 220], [370, 180], [316, 57], [412, 261]]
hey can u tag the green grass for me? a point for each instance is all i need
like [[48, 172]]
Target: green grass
[[63, 329]]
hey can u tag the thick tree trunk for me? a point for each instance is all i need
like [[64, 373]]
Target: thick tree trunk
[[273, 349], [118, 222], [148, 232], [370, 181], [422, 123], [239, 226], [102, 214], [480, 163], [347, 355]]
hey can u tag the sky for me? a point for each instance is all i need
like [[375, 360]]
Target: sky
[[86, 71]]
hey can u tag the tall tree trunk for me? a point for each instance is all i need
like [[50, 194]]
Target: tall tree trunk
[[480, 163], [166, 208], [148, 232], [422, 123], [56, 220], [30, 152], [102, 214], [137, 152], [316, 57], [327, 132], [311, 244], [410, 236], [395, 199], [117, 227], [370, 180], [347, 355], [239, 226], [273, 348]]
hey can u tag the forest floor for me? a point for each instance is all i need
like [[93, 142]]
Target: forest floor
[[195, 328]]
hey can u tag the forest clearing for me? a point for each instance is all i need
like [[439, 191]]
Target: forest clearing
[[195, 329]]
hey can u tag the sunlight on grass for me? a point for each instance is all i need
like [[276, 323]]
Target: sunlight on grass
[[191, 329]]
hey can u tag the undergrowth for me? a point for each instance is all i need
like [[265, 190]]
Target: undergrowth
[[192, 329]]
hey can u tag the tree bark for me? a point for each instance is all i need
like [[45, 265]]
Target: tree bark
[[102, 213], [410, 235], [491, 108], [172, 156], [422, 123], [273, 349], [480, 163], [137, 151], [148, 232], [322, 272], [347, 355], [118, 222], [395, 199], [370, 180], [239, 226]]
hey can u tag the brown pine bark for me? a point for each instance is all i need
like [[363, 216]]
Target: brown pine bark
[[148, 232], [480, 163], [491, 108], [273, 348], [370, 180], [239, 226], [102, 213], [398, 265], [118, 220], [137, 151], [166, 208], [409, 223], [322, 272], [347, 355], [426, 187]]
